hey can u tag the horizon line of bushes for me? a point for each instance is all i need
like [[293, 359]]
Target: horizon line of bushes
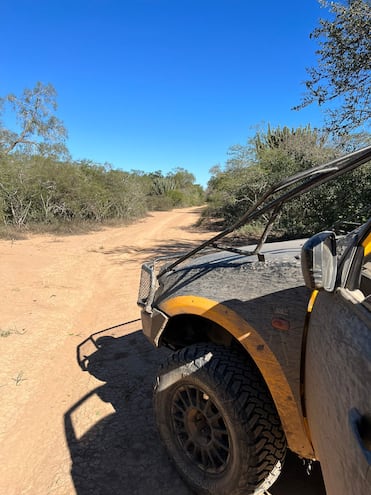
[[46, 191], [37, 190]]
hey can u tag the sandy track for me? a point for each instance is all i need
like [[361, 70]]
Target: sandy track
[[64, 430]]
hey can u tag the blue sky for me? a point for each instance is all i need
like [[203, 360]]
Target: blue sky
[[158, 84]]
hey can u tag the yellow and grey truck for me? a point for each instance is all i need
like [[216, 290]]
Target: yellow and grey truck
[[270, 349]]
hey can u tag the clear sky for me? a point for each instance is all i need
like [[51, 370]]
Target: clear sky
[[158, 84]]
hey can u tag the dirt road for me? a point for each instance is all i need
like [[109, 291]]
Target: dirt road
[[66, 431]]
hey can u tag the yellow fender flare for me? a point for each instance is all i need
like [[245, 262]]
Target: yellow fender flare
[[272, 372]]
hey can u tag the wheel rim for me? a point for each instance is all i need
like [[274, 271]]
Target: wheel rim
[[200, 429]]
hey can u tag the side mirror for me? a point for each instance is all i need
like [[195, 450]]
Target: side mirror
[[319, 261]]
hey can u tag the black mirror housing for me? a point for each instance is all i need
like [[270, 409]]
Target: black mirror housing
[[319, 261]]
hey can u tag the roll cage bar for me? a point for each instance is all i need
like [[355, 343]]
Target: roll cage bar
[[291, 188]]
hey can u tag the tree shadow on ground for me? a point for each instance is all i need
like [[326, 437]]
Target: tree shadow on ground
[[171, 247], [121, 453]]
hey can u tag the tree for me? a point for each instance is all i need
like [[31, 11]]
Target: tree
[[183, 179], [278, 153], [281, 152], [342, 79], [176, 189], [37, 128], [269, 157]]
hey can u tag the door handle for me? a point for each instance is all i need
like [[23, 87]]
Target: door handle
[[361, 427]]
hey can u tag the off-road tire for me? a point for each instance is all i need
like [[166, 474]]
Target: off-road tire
[[218, 422]]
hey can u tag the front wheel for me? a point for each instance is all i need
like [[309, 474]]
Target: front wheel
[[218, 421]]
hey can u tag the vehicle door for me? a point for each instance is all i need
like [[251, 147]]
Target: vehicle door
[[337, 380]]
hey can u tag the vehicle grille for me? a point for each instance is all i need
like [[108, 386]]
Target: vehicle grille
[[147, 286]]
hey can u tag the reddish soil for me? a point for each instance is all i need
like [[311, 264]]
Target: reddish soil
[[76, 410]]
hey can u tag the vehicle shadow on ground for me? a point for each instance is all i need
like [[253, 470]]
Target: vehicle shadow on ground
[[121, 453]]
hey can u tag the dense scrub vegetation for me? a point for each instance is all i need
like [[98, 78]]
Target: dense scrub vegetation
[[278, 153], [40, 184], [43, 190]]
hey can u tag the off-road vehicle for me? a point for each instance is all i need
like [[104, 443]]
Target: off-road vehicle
[[271, 349]]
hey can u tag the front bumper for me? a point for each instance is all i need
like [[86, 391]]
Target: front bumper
[[153, 324], [153, 320]]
